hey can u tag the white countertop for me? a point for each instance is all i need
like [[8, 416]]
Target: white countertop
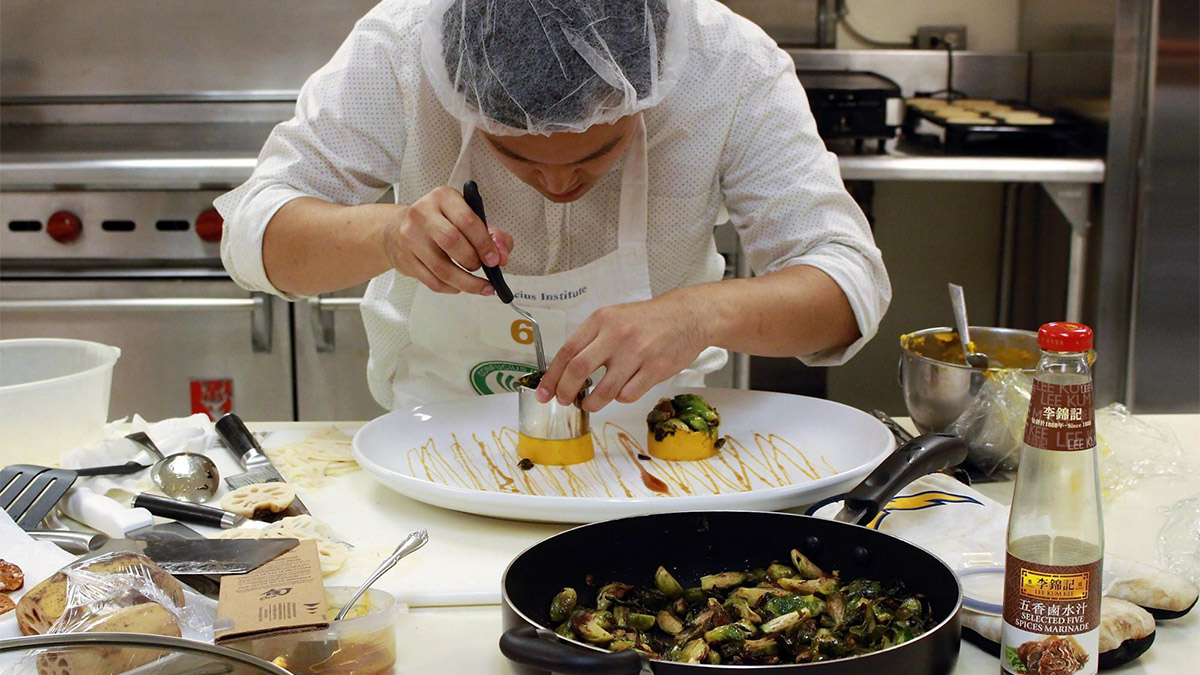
[[452, 586]]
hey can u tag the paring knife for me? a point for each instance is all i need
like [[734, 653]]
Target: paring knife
[[177, 556], [250, 455]]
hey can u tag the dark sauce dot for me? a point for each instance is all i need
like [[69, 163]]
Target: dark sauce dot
[[644, 458], [525, 464]]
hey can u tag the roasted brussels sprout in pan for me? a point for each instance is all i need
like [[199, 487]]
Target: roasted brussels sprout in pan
[[783, 613]]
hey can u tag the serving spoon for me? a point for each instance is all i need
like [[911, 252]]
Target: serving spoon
[[959, 302], [186, 476]]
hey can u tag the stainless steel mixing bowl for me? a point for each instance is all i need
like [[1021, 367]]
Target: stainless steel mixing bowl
[[939, 386]]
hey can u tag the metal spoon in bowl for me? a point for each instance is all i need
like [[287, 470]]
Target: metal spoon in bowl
[[185, 476], [411, 544], [959, 302]]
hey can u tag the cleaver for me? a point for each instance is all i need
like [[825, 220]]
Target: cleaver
[[176, 552], [250, 456]]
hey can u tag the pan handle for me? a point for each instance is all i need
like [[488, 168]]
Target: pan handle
[[542, 649], [923, 455]]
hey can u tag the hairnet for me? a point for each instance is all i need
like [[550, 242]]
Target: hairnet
[[540, 66]]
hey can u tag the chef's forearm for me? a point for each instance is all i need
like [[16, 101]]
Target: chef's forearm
[[312, 246], [792, 312]]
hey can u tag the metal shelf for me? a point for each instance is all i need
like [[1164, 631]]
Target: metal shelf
[[900, 165], [119, 168]]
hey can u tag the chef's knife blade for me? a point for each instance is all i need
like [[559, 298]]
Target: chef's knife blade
[[201, 556], [167, 531], [250, 455]]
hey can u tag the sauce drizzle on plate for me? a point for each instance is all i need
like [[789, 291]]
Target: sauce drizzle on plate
[[491, 465]]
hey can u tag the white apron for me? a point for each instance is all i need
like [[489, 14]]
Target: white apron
[[470, 344]]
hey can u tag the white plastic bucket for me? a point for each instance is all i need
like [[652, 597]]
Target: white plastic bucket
[[53, 397]]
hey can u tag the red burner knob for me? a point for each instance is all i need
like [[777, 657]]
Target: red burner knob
[[64, 227], [209, 225]]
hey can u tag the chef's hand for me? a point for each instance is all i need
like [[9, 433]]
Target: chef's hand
[[640, 344], [438, 239]]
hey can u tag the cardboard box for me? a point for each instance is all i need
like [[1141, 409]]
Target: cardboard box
[[285, 595]]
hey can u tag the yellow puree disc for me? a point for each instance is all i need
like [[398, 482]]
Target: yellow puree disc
[[682, 446], [558, 452]]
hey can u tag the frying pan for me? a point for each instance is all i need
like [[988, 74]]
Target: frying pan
[[695, 543]]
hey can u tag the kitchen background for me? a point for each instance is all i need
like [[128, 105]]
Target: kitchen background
[[122, 120]]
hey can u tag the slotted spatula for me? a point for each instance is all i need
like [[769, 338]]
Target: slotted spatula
[[29, 492]]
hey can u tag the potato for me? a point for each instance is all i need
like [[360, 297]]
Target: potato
[[46, 602], [147, 617]]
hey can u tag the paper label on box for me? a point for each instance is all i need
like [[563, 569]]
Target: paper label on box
[[284, 595]]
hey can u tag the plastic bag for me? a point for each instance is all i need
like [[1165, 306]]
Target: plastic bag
[[94, 597], [994, 424], [124, 593], [1130, 448], [1179, 540]]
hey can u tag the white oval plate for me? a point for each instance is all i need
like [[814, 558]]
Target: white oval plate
[[781, 451]]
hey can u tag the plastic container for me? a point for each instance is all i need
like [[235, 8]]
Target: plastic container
[[357, 645], [53, 397]]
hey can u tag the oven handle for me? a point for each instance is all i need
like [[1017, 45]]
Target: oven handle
[[321, 317], [260, 306]]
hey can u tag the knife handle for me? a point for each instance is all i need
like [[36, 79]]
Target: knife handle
[[238, 439], [475, 201], [104, 514], [188, 513]]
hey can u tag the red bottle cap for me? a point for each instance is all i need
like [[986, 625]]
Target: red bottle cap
[[1062, 336]]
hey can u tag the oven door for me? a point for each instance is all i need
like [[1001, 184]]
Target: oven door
[[187, 345], [331, 359]]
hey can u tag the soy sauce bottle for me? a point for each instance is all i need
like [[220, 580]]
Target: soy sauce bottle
[[1052, 583]]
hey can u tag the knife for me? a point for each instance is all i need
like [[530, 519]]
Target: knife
[[177, 556], [112, 518], [200, 514], [250, 455]]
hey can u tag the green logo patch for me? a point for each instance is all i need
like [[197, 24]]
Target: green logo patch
[[495, 377]]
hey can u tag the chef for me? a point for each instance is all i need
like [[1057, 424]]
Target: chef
[[605, 136]]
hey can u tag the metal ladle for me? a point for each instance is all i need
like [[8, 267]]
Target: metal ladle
[[494, 275], [185, 476], [959, 302], [411, 544]]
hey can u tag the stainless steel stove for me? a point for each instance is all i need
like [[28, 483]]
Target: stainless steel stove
[[141, 270]]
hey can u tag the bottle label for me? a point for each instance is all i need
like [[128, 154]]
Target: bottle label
[[1051, 618], [1061, 417]]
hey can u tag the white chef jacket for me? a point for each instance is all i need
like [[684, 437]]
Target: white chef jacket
[[736, 131]]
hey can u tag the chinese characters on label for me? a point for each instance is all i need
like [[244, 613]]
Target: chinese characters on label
[[1060, 417]]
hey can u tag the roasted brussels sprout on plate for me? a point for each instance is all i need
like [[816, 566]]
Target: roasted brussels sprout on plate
[[684, 427]]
